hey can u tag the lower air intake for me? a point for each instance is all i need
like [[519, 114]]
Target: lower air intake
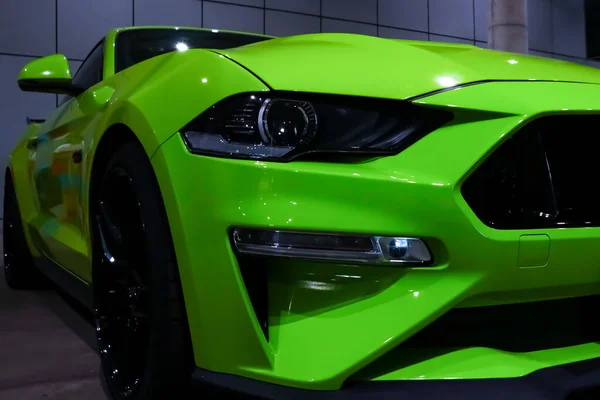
[[514, 328]]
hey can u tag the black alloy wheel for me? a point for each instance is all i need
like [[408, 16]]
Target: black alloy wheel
[[140, 319], [121, 290]]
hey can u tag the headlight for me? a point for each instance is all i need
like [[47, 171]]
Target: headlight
[[282, 126]]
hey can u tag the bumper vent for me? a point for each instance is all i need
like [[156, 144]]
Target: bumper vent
[[516, 328], [522, 327], [541, 177], [255, 274]]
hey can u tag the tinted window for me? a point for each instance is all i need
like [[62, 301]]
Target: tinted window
[[92, 68], [134, 46]]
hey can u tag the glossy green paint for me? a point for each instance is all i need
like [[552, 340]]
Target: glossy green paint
[[54, 67], [343, 64], [319, 338], [540, 98], [140, 99], [329, 322], [482, 363], [534, 251]]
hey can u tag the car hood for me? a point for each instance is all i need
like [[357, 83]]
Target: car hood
[[361, 65]]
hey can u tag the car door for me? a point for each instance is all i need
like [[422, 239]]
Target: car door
[[58, 159]]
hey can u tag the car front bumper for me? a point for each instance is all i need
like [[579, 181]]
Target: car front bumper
[[576, 381], [327, 323]]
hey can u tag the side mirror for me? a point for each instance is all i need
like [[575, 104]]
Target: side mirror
[[49, 74]]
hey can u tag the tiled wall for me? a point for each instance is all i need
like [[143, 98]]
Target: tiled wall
[[34, 28]]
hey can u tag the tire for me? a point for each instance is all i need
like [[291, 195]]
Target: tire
[[142, 330], [19, 270]]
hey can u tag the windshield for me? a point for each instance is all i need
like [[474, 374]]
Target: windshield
[[136, 45]]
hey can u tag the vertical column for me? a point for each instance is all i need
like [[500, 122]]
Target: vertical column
[[507, 26]]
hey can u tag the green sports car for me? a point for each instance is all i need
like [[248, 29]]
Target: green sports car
[[319, 215]]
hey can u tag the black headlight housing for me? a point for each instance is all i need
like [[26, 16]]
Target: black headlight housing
[[282, 126]]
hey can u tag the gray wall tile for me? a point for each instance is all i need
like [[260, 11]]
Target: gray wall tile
[[15, 106], [333, 25], [237, 18], [81, 24], [438, 38], [568, 23], [302, 6], [451, 17], [255, 3], [567, 58], [172, 12], [408, 14], [540, 25], [538, 53], [401, 34], [481, 44], [593, 63], [354, 10], [27, 27], [280, 23], [482, 8]]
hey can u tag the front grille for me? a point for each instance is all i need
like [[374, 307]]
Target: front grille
[[541, 177]]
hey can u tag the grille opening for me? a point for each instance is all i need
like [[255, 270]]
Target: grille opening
[[541, 177], [516, 328]]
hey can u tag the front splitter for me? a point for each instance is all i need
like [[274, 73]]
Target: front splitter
[[580, 380]]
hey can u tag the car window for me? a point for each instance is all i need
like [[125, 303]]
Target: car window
[[137, 45], [89, 73], [92, 69]]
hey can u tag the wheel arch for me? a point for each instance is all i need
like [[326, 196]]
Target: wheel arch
[[114, 137], [120, 148]]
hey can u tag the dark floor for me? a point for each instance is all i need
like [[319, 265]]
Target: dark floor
[[46, 348]]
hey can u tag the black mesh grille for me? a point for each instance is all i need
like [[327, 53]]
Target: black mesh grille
[[543, 176]]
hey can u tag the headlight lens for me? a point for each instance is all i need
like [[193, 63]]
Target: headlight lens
[[283, 126], [287, 122]]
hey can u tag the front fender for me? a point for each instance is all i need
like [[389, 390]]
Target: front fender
[[156, 98], [19, 165]]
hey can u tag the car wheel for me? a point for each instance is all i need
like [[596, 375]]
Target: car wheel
[[19, 270], [141, 326]]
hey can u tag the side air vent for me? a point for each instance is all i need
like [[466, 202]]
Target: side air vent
[[255, 272], [544, 176]]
